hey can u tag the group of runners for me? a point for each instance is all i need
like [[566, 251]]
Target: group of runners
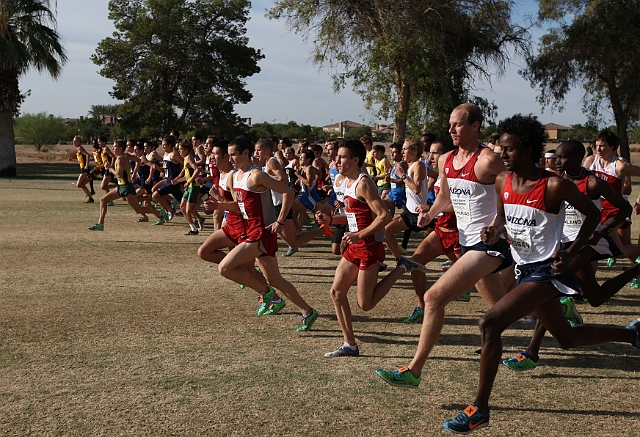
[[523, 233]]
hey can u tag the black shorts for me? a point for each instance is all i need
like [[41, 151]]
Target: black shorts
[[338, 233], [278, 208], [174, 190], [541, 271], [501, 249], [411, 220]]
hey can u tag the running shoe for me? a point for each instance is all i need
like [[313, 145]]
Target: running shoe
[[265, 301], [89, 200], [401, 377], [111, 204], [530, 320], [580, 299], [192, 232], [416, 315], [466, 297], [570, 312], [201, 223], [170, 215], [611, 262], [143, 219], [96, 227], [240, 286], [343, 351], [197, 223], [410, 265], [311, 227], [160, 222], [93, 192], [635, 284], [467, 421], [164, 215], [635, 326], [520, 362], [290, 251], [403, 250], [328, 232], [275, 307], [307, 321]]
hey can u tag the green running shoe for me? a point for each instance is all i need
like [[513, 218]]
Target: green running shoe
[[275, 307], [160, 222], [307, 321], [611, 262], [635, 284], [416, 315], [111, 204], [570, 312], [96, 227], [400, 377], [468, 421], [164, 215], [265, 301], [466, 297], [520, 362]]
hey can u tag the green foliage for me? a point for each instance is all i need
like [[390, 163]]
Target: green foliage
[[415, 59], [39, 129], [581, 133], [281, 130], [597, 51], [178, 64], [358, 132]]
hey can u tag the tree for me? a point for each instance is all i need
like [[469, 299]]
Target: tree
[[412, 57], [597, 51], [178, 64], [26, 41], [39, 129]]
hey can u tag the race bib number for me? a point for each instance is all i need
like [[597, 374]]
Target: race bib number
[[243, 211], [520, 240], [393, 185], [462, 209], [572, 217], [351, 220]]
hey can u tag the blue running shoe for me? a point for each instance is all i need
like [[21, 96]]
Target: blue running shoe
[[611, 262], [468, 421], [635, 326], [416, 315]]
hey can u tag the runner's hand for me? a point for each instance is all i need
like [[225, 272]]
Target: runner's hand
[[489, 235], [323, 218], [424, 219], [562, 262]]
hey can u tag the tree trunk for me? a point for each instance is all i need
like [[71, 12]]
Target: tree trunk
[[402, 109], [622, 118], [7, 147]]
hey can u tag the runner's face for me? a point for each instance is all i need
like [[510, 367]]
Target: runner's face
[[237, 159], [183, 151], [565, 162], [345, 162], [603, 149], [396, 155], [167, 147], [434, 155], [462, 133], [262, 153], [217, 156], [513, 155], [408, 154]]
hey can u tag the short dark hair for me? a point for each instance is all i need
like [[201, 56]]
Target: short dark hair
[[223, 146], [528, 129], [608, 136], [197, 137], [379, 148], [186, 144], [317, 148], [431, 137], [308, 154], [265, 142], [447, 144], [286, 141], [169, 139], [121, 143], [356, 149], [102, 138], [396, 146], [242, 143]]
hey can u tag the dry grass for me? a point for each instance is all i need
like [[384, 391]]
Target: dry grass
[[127, 332]]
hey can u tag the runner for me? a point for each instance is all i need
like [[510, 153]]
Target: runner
[[125, 189], [85, 178], [467, 178], [251, 190], [531, 210]]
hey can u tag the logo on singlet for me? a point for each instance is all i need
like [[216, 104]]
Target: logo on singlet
[[521, 221], [459, 191], [240, 196]]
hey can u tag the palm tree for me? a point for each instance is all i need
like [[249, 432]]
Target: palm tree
[[26, 41]]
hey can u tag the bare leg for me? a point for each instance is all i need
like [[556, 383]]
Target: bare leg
[[396, 225], [346, 274]]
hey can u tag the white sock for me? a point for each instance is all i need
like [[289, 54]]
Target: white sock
[[193, 227], [349, 346]]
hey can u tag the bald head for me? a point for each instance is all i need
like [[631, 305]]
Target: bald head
[[572, 148]]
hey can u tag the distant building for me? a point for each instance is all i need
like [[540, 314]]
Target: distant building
[[244, 125], [383, 132], [554, 131], [341, 128]]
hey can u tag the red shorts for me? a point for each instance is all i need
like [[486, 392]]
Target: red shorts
[[267, 240], [365, 257], [450, 240], [233, 233]]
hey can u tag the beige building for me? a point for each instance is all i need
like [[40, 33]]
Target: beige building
[[554, 131], [341, 128]]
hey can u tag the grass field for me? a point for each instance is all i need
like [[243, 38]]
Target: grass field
[[128, 332]]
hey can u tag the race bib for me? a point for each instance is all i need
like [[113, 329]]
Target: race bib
[[572, 217], [520, 240], [393, 185], [351, 220], [243, 211], [462, 209]]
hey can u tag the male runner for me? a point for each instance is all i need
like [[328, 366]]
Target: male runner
[[251, 187], [531, 210], [467, 178]]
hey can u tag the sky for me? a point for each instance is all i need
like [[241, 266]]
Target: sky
[[289, 86]]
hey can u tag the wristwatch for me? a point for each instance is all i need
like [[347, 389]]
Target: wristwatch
[[403, 177]]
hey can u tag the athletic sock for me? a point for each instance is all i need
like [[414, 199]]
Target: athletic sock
[[193, 227], [349, 346]]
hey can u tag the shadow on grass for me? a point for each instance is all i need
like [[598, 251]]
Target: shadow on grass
[[40, 170]]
